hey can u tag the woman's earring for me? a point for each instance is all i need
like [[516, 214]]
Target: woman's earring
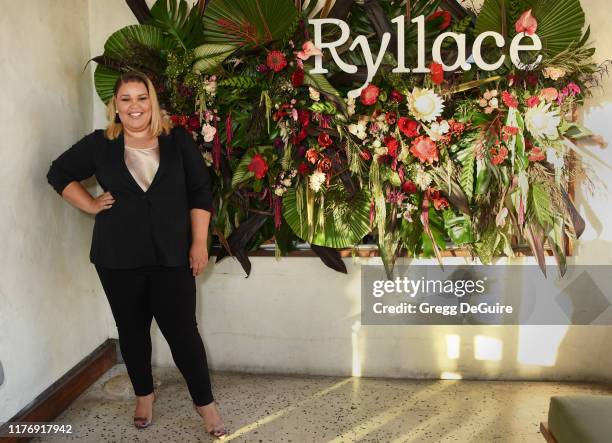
[[117, 119]]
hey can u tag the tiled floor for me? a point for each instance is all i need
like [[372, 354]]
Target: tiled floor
[[271, 408]]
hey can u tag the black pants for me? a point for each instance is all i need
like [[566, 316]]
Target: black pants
[[168, 294]]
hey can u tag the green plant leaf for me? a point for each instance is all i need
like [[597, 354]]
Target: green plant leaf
[[210, 55], [248, 22], [176, 19], [540, 205], [128, 42], [104, 81], [346, 220], [242, 173]]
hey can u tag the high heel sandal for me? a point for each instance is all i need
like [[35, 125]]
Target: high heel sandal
[[144, 422], [219, 431]]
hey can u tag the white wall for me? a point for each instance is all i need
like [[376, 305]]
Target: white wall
[[52, 313], [292, 315]]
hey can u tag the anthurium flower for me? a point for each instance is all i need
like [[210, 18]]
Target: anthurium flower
[[308, 50], [437, 73], [424, 149], [409, 128], [258, 166], [369, 95], [276, 61], [526, 23]]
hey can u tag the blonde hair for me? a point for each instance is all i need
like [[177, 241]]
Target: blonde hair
[[160, 123]]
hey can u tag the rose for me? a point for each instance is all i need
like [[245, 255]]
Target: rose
[[409, 187], [392, 145], [325, 140], [409, 128], [325, 164], [312, 155], [369, 95], [258, 166], [391, 118]]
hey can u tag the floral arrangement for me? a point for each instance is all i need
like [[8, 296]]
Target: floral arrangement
[[418, 163]]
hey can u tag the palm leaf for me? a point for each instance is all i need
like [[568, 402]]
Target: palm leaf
[[104, 81], [210, 55], [560, 22], [346, 220], [175, 18], [248, 22]]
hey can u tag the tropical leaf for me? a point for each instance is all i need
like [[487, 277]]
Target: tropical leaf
[[238, 82], [320, 83], [331, 258], [346, 221], [467, 159], [209, 56], [458, 227], [178, 21], [140, 9], [560, 22], [104, 81], [127, 42], [248, 22], [540, 204], [242, 173]]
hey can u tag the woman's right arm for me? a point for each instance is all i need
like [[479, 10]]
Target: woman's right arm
[[70, 168]]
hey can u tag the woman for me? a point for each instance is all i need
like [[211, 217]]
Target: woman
[[150, 235]]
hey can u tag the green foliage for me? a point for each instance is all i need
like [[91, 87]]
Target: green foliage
[[238, 82], [175, 18], [458, 227], [487, 245], [209, 56], [540, 206]]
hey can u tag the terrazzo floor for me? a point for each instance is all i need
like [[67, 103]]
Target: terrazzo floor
[[273, 408]]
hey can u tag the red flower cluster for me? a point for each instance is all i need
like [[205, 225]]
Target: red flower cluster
[[446, 18], [392, 145], [397, 96], [536, 154], [297, 79], [498, 154], [190, 122], [325, 140], [258, 166], [409, 187], [437, 199], [509, 100]]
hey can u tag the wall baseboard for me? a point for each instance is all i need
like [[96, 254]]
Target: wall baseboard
[[55, 399]]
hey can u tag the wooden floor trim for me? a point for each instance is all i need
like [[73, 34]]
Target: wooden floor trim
[[55, 399], [546, 433]]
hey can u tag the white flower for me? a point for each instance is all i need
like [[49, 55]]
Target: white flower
[[555, 158], [350, 101], [208, 158], [381, 150], [425, 105], [208, 131], [287, 182], [358, 130], [210, 86], [316, 180], [437, 130], [541, 122], [422, 179], [314, 94], [279, 191]]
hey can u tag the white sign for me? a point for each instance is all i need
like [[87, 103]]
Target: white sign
[[516, 47]]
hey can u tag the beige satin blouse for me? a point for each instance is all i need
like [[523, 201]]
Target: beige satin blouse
[[143, 164]]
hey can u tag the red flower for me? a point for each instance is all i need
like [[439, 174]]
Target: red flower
[[312, 155], [440, 203], [297, 79], [498, 154], [299, 137], [437, 73], [446, 18], [409, 187], [325, 140], [397, 96], [391, 118], [534, 101], [424, 149], [509, 131], [410, 128], [303, 168], [325, 164], [456, 127], [369, 95], [276, 61], [304, 117], [193, 123], [536, 155], [509, 100], [258, 166], [392, 145]]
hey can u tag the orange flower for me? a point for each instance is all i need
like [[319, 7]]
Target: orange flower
[[424, 149]]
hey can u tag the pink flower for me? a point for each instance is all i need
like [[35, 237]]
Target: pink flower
[[424, 149], [549, 94], [526, 23], [573, 88], [308, 50]]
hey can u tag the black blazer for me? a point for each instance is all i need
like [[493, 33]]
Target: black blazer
[[141, 228]]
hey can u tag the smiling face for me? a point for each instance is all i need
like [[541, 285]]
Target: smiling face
[[134, 106]]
